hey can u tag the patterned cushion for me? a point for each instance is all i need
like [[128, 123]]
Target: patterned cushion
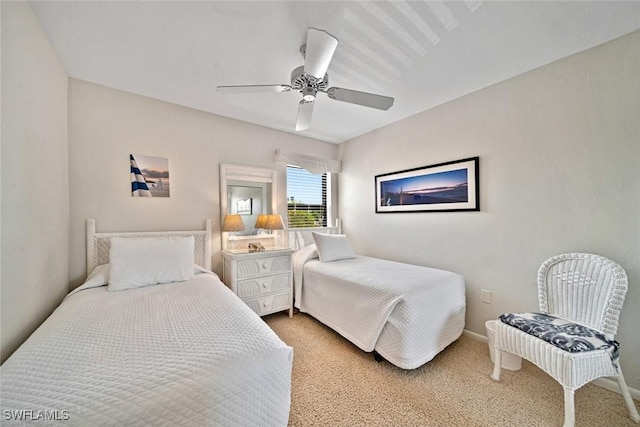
[[562, 333]]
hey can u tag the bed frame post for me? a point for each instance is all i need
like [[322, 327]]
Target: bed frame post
[[207, 245], [91, 248]]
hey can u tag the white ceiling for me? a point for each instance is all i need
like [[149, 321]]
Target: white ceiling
[[422, 53]]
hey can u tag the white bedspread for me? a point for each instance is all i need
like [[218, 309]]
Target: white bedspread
[[188, 353], [407, 313]]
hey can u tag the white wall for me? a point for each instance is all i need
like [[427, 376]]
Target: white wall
[[35, 185], [106, 125], [559, 155]]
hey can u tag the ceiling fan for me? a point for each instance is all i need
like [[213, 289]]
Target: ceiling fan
[[312, 77]]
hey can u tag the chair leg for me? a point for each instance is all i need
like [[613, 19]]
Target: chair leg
[[497, 364], [633, 412], [569, 408]]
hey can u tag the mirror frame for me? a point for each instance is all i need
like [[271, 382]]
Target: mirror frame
[[244, 173]]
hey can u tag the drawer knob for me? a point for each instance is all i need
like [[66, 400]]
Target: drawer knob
[[264, 285], [265, 304], [264, 266]]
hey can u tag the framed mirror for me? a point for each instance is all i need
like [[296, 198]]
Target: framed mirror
[[246, 191]]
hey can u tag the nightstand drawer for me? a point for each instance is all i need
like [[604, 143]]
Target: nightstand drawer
[[263, 285], [260, 266], [269, 304]]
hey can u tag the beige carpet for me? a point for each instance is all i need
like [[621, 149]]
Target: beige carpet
[[336, 384]]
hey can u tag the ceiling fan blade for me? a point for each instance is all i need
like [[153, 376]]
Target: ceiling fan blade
[[254, 89], [319, 51], [305, 110], [366, 99]]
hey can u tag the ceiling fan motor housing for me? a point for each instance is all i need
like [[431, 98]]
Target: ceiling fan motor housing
[[308, 85]]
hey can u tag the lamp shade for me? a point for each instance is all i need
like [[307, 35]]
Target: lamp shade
[[273, 222], [232, 222], [261, 222]]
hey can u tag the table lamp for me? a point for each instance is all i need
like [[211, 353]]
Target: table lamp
[[232, 223], [273, 222]]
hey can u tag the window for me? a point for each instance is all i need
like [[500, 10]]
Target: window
[[306, 198]]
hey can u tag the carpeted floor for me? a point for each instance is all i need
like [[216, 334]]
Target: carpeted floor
[[336, 384]]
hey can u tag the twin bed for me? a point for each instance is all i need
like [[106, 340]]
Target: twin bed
[[153, 337], [405, 313], [183, 353]]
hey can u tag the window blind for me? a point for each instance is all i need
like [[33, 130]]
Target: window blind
[[306, 198]]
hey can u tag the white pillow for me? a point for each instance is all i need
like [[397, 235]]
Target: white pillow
[[333, 247], [138, 262]]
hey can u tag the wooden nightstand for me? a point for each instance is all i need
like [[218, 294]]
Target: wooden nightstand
[[263, 280]]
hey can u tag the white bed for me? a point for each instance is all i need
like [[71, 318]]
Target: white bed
[[186, 353], [406, 313]]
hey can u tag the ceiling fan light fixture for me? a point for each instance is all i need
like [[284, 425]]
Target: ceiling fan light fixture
[[309, 94]]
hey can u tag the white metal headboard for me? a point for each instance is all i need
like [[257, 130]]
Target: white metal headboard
[[98, 244]]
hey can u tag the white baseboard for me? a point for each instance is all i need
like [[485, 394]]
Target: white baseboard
[[474, 336], [607, 383], [612, 385]]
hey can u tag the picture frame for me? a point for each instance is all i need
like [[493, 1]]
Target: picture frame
[[443, 187], [245, 206], [149, 176]]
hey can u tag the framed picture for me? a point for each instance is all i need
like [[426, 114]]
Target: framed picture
[[445, 187], [245, 206], [149, 176]]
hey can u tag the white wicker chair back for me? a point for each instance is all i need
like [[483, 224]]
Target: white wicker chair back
[[586, 288]]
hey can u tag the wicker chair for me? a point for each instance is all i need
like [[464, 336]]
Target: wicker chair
[[586, 291]]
